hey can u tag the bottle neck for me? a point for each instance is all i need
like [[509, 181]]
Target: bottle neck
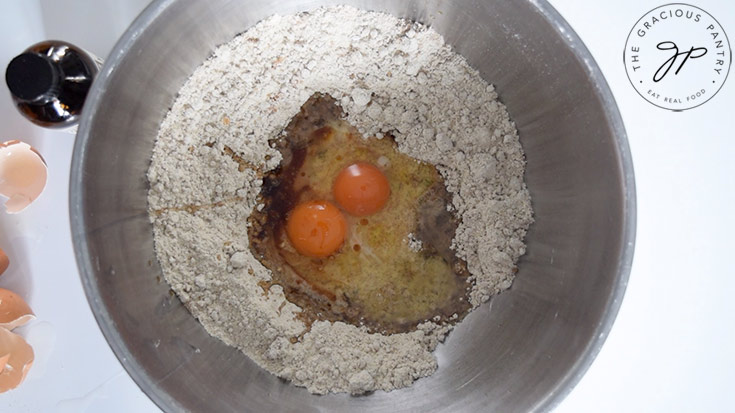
[[33, 78]]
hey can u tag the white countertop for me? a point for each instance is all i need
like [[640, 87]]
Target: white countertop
[[670, 350]]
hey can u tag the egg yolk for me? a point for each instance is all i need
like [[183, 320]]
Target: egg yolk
[[361, 189], [316, 228]]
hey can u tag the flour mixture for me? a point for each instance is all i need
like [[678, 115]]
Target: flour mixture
[[396, 85]]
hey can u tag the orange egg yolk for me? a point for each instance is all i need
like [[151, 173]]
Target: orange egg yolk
[[361, 189], [316, 228]]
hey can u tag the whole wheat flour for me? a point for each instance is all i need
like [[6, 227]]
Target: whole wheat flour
[[390, 76]]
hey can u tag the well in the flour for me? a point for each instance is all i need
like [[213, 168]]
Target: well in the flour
[[374, 278]]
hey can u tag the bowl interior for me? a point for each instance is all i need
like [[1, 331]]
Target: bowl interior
[[522, 351]]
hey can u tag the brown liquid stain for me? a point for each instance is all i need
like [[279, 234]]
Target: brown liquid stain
[[242, 164], [193, 208], [305, 281]]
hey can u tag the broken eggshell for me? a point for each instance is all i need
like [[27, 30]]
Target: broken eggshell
[[4, 261], [16, 358], [14, 311], [22, 174]]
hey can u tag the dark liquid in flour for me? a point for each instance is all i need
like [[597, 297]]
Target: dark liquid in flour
[[376, 279]]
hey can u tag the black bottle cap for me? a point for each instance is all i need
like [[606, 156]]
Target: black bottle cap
[[30, 76]]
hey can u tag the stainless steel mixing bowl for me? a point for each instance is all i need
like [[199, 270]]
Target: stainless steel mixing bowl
[[522, 351]]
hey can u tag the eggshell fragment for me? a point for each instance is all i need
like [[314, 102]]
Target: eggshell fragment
[[23, 174], [14, 311], [4, 261], [18, 358]]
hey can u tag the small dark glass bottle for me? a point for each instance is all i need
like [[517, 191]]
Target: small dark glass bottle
[[49, 82]]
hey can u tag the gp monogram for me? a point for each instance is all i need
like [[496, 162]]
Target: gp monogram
[[677, 56]]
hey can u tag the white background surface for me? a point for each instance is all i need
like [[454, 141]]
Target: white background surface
[[672, 346]]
